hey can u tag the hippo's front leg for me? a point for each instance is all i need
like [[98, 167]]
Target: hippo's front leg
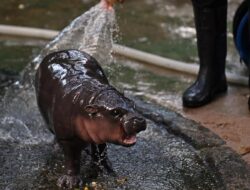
[[100, 158], [72, 154]]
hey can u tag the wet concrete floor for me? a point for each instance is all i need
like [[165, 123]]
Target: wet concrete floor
[[173, 153], [228, 116]]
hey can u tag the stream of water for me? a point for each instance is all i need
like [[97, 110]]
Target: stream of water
[[91, 32]]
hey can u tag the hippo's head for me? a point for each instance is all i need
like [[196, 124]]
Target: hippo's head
[[112, 118]]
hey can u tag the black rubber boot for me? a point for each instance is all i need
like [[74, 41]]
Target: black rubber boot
[[210, 22]]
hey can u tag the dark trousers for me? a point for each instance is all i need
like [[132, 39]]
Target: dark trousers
[[214, 4]]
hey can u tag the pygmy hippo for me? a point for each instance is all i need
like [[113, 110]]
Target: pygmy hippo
[[80, 107]]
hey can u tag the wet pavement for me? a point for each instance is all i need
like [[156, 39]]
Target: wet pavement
[[173, 153], [228, 116]]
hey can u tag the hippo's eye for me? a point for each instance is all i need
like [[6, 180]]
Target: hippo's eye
[[116, 113]]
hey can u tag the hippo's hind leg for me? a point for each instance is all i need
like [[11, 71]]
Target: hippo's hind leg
[[72, 154], [100, 158]]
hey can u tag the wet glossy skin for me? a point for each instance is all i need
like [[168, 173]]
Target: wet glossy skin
[[80, 107]]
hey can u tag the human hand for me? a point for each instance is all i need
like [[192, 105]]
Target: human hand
[[110, 3]]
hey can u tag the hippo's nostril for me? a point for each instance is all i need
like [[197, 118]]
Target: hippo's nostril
[[134, 125], [138, 120], [139, 124], [141, 119], [143, 125]]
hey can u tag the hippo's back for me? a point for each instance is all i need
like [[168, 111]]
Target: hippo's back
[[60, 77]]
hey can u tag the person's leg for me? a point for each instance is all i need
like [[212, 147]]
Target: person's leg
[[210, 21]]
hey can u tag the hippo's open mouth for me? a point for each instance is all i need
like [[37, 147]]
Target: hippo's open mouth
[[129, 140], [131, 125]]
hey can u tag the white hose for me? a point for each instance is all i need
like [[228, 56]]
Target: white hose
[[27, 32], [171, 64], [130, 53]]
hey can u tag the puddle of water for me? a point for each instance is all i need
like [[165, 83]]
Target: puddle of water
[[131, 77], [16, 54]]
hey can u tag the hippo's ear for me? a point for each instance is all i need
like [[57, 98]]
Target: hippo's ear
[[91, 109]]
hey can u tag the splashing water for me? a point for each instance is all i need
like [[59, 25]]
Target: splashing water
[[91, 32], [25, 142]]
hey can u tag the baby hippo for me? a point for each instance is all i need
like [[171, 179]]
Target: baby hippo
[[80, 107]]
